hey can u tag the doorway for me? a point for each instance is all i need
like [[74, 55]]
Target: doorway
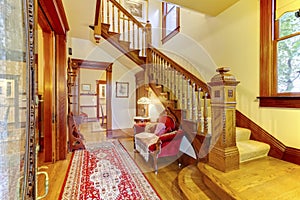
[[93, 93], [101, 102]]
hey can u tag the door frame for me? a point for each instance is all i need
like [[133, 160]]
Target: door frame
[[86, 64]]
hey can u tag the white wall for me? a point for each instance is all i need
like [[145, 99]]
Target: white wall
[[123, 109], [232, 39]]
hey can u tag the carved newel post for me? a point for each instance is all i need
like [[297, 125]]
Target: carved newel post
[[224, 154]]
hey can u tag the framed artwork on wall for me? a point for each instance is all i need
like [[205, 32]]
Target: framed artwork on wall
[[138, 8], [86, 87], [122, 89]]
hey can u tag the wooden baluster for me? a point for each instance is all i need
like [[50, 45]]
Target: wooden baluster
[[138, 39], [170, 80], [174, 85], [194, 102], [128, 31], [102, 11], [113, 17], [183, 105], [143, 40], [107, 12], [156, 68], [179, 90], [153, 64], [199, 111], [133, 36], [163, 73], [123, 18], [147, 35], [188, 99], [205, 114], [119, 21]]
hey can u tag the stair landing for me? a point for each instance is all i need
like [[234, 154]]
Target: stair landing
[[265, 178]]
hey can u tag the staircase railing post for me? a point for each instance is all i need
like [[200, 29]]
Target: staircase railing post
[[97, 23], [224, 154], [148, 30], [148, 42]]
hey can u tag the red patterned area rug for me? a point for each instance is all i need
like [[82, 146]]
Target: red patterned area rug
[[105, 171]]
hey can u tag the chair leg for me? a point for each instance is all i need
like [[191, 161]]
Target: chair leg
[[154, 156]]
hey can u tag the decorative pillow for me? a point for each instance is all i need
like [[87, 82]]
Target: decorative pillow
[[150, 127], [160, 129]]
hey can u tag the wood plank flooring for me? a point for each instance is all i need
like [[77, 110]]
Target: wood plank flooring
[[165, 182]]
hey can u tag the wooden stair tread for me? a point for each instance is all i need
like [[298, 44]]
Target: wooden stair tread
[[264, 178], [192, 186]]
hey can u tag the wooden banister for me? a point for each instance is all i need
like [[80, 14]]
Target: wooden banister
[[199, 83]]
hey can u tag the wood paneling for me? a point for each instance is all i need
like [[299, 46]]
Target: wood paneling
[[61, 100], [48, 94]]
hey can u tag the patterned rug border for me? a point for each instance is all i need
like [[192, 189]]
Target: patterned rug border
[[89, 146]]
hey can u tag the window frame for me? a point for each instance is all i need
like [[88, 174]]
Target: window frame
[[268, 69], [165, 36]]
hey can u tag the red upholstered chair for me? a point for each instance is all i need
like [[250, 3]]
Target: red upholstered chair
[[158, 139]]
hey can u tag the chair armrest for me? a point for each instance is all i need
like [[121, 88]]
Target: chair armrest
[[174, 135], [138, 128]]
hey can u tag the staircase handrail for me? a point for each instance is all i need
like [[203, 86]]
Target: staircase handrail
[[181, 70], [116, 20]]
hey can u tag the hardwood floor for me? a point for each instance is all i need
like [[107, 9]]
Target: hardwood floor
[[165, 182], [265, 178]]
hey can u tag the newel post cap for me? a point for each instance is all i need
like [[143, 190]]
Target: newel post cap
[[223, 77]]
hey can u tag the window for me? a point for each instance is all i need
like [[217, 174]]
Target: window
[[280, 53], [170, 21]]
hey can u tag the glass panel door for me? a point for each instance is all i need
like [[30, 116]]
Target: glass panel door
[[17, 174]]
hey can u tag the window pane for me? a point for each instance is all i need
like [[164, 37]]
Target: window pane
[[288, 24], [288, 65], [169, 7], [171, 21]]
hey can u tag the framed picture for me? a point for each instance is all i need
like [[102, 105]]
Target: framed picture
[[102, 90], [138, 8], [122, 89], [86, 87]]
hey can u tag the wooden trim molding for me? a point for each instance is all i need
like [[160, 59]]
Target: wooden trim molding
[[280, 102], [87, 64], [55, 14], [278, 149]]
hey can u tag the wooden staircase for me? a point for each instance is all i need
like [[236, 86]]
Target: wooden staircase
[[181, 93], [121, 45]]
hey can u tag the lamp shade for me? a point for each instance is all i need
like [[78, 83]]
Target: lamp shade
[[144, 101]]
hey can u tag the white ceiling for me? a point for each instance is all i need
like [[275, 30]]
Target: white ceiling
[[209, 7], [80, 13]]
